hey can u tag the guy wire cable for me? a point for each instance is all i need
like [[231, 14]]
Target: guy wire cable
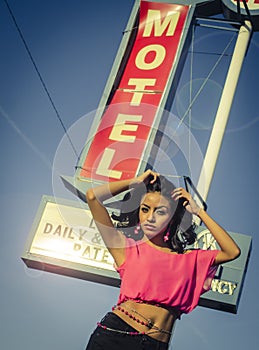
[[205, 81], [181, 121], [190, 99], [40, 77]]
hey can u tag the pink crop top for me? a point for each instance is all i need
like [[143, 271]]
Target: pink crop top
[[173, 280]]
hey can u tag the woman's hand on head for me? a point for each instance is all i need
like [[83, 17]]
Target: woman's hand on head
[[148, 176], [189, 203]]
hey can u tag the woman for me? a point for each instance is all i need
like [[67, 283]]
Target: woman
[[160, 279]]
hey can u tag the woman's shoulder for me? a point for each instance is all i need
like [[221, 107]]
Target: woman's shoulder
[[191, 250], [200, 251]]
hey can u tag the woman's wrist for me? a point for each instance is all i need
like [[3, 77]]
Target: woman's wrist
[[135, 181], [200, 212]]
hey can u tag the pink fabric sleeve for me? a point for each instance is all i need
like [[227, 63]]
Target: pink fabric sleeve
[[206, 268], [203, 273]]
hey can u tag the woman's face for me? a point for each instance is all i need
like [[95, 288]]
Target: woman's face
[[154, 214]]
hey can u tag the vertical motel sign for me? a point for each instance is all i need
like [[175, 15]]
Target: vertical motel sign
[[141, 85]]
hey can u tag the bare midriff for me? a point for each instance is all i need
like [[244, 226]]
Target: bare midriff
[[160, 320]]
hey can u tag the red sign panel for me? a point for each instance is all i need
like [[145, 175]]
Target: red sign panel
[[118, 145]]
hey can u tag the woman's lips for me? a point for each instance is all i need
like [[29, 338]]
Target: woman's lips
[[150, 227]]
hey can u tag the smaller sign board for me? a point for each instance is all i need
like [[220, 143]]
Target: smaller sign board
[[65, 240]]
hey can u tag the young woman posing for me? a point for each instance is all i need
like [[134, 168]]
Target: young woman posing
[[160, 279]]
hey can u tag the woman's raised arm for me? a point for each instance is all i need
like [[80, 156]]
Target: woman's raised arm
[[229, 249], [113, 239]]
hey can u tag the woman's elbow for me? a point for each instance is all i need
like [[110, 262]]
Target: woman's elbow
[[90, 196], [235, 253], [238, 252]]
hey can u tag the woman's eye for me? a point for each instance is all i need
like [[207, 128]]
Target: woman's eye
[[161, 212], [144, 210]]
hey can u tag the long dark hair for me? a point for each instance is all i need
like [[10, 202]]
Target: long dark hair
[[180, 230]]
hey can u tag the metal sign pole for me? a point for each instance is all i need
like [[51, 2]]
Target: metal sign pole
[[223, 112]]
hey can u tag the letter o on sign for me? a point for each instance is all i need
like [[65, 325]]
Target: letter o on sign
[[160, 53]]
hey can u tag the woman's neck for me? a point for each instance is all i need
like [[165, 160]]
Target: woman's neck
[[158, 241]]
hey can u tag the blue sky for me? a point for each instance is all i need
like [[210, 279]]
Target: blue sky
[[74, 44]]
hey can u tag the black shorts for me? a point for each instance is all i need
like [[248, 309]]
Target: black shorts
[[104, 339]]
